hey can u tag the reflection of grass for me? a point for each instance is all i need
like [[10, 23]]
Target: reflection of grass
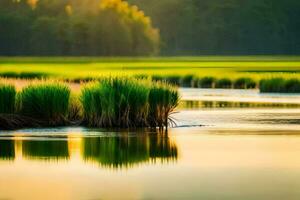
[[45, 149], [7, 149], [117, 152]]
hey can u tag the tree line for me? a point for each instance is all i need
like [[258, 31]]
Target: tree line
[[230, 27], [174, 27], [75, 27]]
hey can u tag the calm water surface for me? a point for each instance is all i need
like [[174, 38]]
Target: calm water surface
[[215, 152]]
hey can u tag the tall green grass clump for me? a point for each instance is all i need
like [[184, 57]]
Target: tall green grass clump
[[163, 99], [7, 99], [206, 82], [171, 79], [187, 81], [244, 83], [223, 83], [127, 102], [46, 101], [115, 102], [279, 85]]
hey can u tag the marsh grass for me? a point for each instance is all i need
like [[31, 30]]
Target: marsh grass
[[111, 102], [171, 79], [279, 85], [7, 99], [45, 101], [224, 83], [187, 81], [206, 82], [24, 75], [244, 83], [128, 102], [163, 99], [115, 102]]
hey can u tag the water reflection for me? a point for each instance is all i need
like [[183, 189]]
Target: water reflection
[[229, 104], [118, 152], [7, 150], [45, 149]]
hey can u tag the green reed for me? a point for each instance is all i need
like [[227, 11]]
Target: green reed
[[244, 83], [7, 99], [127, 102], [279, 85], [45, 101]]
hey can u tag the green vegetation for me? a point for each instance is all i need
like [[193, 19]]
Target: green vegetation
[[123, 102], [45, 149], [47, 101], [280, 85], [199, 72], [111, 102], [24, 75], [123, 152], [7, 99], [244, 83], [75, 27], [7, 149], [163, 99], [119, 27], [222, 27], [70, 68]]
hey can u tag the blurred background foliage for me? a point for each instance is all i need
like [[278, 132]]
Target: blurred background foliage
[[75, 27], [120, 28]]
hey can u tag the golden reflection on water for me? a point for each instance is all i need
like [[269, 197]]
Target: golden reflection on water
[[187, 164]]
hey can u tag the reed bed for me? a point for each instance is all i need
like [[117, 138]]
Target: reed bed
[[123, 102], [47, 101], [280, 85], [111, 102], [7, 99], [24, 75]]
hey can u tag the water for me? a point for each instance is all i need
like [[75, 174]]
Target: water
[[214, 152]]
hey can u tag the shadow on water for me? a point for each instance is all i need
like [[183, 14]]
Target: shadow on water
[[125, 152], [45, 149], [7, 150]]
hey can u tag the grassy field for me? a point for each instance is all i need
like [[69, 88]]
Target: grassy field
[[219, 67]]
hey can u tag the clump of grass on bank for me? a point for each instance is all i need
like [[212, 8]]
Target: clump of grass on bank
[[244, 83], [187, 81], [279, 85], [7, 99], [224, 83], [45, 101], [163, 99], [206, 82], [171, 79], [115, 102], [126, 102]]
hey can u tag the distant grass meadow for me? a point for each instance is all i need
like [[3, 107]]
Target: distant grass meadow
[[242, 72]]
